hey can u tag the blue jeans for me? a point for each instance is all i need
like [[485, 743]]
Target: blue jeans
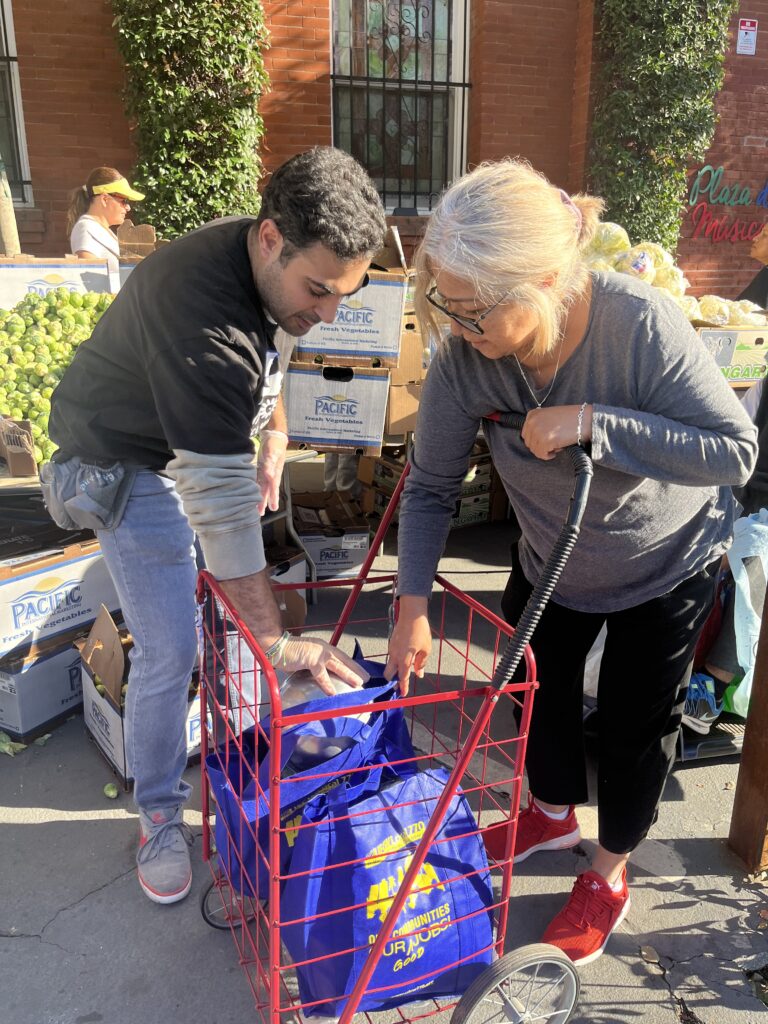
[[151, 558]]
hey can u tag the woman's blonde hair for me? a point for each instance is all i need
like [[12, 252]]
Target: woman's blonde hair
[[81, 198], [504, 229]]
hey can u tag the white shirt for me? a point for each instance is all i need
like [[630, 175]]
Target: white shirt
[[90, 236]]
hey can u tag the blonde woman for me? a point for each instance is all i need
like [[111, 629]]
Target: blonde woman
[[96, 207], [601, 360]]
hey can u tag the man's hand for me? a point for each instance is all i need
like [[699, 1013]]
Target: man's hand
[[548, 431], [410, 643], [269, 468], [320, 658]]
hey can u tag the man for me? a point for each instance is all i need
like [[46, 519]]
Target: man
[[163, 398]]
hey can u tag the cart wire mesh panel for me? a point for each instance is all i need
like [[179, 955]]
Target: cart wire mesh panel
[[407, 891]]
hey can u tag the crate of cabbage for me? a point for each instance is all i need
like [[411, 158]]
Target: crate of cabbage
[[38, 339]]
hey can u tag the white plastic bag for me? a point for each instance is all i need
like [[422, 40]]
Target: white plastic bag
[[750, 538]]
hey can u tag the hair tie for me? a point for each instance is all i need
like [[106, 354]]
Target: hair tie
[[567, 201], [84, 188]]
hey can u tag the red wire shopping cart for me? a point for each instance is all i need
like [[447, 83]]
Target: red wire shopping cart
[[448, 714]]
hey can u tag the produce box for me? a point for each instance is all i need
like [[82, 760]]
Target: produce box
[[336, 408], [17, 447], [39, 692], [740, 352], [385, 471], [402, 409], [367, 326], [410, 366], [51, 593], [470, 509], [333, 531], [104, 673], [25, 275]]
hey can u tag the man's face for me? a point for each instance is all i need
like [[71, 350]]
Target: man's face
[[309, 287]]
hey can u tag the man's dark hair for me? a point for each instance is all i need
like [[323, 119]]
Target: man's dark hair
[[326, 196]]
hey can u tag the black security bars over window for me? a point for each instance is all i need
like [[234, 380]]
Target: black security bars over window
[[400, 93], [9, 122]]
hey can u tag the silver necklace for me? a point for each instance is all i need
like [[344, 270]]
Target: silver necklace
[[551, 383]]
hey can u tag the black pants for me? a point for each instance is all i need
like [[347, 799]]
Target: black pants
[[644, 674]]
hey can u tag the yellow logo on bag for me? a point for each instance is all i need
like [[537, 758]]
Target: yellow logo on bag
[[381, 894]]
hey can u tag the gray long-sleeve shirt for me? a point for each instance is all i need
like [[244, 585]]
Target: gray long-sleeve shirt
[[669, 437]]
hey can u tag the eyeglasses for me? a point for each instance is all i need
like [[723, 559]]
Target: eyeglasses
[[120, 199], [470, 323]]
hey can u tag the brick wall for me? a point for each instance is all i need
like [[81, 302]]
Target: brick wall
[[522, 62], [740, 146], [582, 104], [71, 82], [297, 110]]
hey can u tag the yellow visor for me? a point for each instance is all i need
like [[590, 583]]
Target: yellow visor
[[118, 188]]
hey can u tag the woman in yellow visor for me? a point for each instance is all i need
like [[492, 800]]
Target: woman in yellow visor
[[95, 208]]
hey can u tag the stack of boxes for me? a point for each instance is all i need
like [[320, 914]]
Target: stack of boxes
[[48, 600], [482, 498], [357, 379]]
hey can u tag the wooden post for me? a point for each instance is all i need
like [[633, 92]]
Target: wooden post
[[748, 837], [9, 232]]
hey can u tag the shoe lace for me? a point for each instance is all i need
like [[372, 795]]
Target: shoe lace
[[172, 835], [585, 906]]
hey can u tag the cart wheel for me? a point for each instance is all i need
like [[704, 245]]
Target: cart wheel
[[534, 983], [217, 902]]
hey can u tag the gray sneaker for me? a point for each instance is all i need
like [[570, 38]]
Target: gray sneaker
[[165, 871]]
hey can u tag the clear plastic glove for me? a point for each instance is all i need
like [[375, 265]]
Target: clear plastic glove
[[409, 645], [269, 468], [320, 658]]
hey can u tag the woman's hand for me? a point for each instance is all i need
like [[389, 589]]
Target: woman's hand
[[547, 431], [410, 643]]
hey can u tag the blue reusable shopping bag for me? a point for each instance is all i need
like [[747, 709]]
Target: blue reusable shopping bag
[[431, 953], [242, 818]]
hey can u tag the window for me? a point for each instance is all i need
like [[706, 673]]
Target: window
[[12, 147], [399, 94]]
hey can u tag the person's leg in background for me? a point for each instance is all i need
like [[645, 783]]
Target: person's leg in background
[[151, 559], [644, 672]]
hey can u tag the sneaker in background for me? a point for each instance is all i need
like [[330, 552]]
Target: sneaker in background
[[593, 911], [702, 708], [535, 831], [164, 867]]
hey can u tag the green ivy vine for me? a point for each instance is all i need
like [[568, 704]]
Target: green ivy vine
[[661, 67], [194, 78]]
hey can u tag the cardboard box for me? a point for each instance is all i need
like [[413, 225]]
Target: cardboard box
[[333, 531], [471, 509], [385, 471], [22, 275], [39, 692], [52, 593], [103, 658], [367, 325], [740, 352], [402, 409], [17, 447], [410, 367], [288, 567], [336, 408]]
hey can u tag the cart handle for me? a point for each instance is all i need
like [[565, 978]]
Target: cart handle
[[559, 555]]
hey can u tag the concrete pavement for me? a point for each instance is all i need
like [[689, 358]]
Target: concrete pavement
[[80, 944]]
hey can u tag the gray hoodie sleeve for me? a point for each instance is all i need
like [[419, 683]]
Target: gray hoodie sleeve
[[220, 497]]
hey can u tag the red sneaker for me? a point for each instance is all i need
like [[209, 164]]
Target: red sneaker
[[535, 831], [593, 912]]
